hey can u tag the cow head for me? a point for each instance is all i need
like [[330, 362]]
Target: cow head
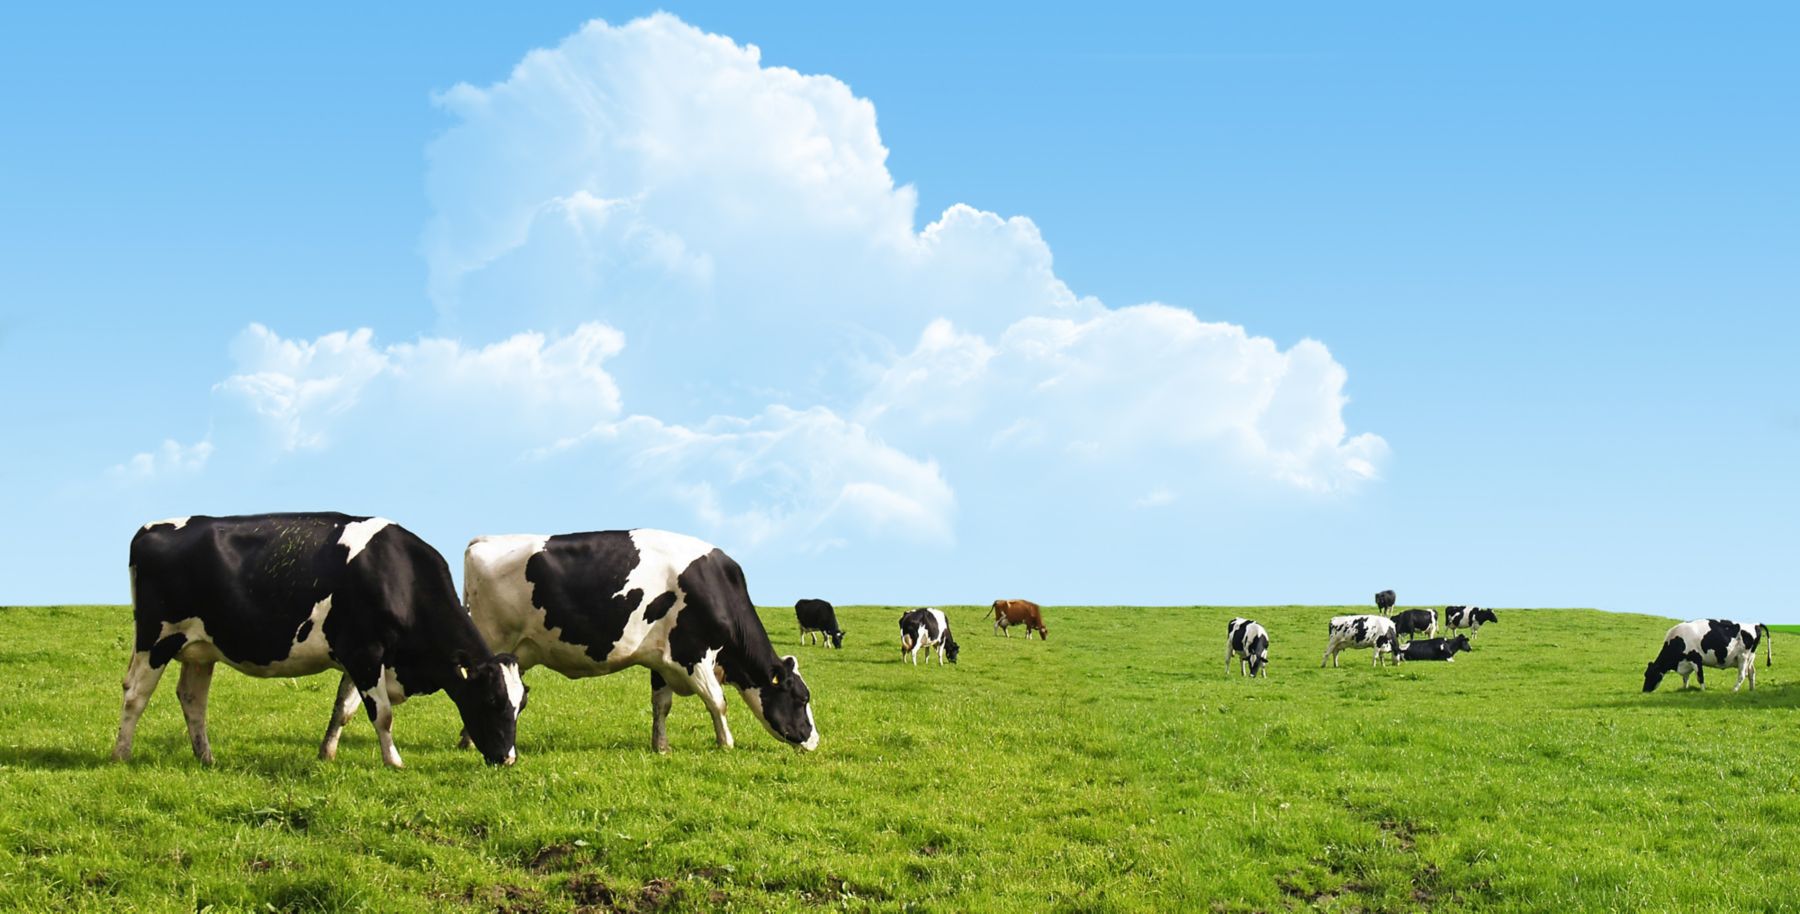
[[950, 648], [1459, 643], [837, 639], [785, 705], [1486, 615], [1044, 632], [1653, 676], [490, 694]]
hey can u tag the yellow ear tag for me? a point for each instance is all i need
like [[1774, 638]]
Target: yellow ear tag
[[462, 671], [774, 680]]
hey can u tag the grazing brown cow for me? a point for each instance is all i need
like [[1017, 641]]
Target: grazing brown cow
[[1008, 613]]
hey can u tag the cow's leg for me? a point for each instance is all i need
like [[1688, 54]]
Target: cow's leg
[[191, 688], [713, 696], [1745, 671], [662, 697], [140, 681], [381, 713], [342, 708]]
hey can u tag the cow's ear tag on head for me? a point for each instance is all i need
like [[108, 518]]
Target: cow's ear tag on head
[[774, 679], [462, 671]]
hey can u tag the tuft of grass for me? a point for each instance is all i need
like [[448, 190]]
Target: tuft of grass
[[1117, 767]]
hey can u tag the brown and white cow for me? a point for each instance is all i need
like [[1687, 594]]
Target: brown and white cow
[[1008, 613]]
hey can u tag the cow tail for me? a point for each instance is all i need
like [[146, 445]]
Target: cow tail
[[1769, 645]]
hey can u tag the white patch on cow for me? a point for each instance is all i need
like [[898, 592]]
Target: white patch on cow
[[812, 729], [358, 533], [176, 522], [515, 686], [305, 656]]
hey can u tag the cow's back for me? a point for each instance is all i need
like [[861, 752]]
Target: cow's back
[[583, 603]]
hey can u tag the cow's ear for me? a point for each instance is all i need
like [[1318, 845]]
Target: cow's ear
[[792, 663], [463, 666]]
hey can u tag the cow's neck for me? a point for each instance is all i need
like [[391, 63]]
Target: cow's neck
[[749, 660]]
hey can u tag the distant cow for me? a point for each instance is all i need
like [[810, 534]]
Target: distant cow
[[1444, 649], [283, 595], [1384, 600], [1469, 617], [1008, 613], [927, 628], [1249, 642], [817, 616], [1690, 647], [589, 604], [1414, 622], [1361, 631]]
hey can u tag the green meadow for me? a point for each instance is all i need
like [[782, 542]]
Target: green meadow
[[1116, 767]]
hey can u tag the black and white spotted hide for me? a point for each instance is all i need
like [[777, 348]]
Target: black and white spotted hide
[[1249, 642], [1689, 648]]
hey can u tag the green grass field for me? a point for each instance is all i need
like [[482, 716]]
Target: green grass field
[[1114, 768]]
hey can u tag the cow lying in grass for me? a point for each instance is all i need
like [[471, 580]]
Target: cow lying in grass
[[1444, 649], [1691, 647]]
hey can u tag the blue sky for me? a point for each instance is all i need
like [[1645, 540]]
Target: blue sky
[[1229, 305]]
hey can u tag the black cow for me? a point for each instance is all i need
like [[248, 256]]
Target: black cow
[[589, 604], [1444, 649], [927, 627], [1412, 622], [1384, 600], [818, 616], [297, 594]]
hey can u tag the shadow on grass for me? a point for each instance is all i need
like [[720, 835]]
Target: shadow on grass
[[54, 758], [1767, 696]]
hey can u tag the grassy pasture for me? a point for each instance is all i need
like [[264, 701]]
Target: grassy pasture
[[1114, 768]]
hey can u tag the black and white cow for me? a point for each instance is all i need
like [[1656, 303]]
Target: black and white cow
[[1249, 642], [1415, 622], [589, 604], [1469, 617], [927, 628], [1444, 649], [1361, 631], [1691, 647], [280, 595], [1384, 600], [818, 616]]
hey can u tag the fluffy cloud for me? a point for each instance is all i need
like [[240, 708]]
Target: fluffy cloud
[[664, 267], [523, 388], [171, 458]]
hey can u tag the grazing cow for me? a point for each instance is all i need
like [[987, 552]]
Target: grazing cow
[[589, 604], [1414, 622], [927, 628], [1469, 617], [1444, 649], [1691, 647], [1384, 600], [818, 616], [1249, 641], [1361, 631], [1008, 613], [296, 594]]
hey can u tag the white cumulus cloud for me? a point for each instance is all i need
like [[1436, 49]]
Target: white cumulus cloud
[[652, 253]]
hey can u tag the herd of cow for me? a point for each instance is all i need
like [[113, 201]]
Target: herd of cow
[[1248, 641], [284, 595]]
